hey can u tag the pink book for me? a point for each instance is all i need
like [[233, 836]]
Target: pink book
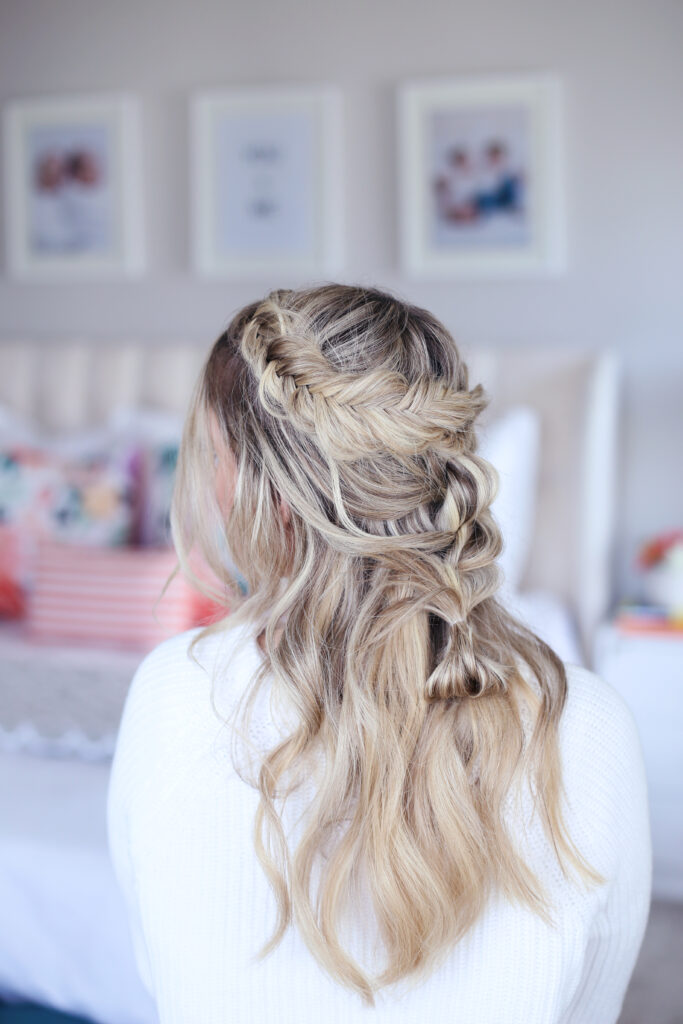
[[109, 595]]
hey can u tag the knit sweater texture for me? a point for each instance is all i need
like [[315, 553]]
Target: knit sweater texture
[[180, 820]]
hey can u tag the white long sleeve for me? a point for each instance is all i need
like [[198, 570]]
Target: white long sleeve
[[180, 830]]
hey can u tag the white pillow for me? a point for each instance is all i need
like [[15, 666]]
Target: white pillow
[[512, 444], [546, 615]]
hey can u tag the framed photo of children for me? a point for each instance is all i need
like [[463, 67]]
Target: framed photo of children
[[73, 187], [481, 177], [266, 182]]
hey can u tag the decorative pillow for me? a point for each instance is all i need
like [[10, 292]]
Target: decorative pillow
[[92, 615], [157, 435], [12, 572], [79, 490], [15, 545], [511, 444], [22, 471], [91, 499]]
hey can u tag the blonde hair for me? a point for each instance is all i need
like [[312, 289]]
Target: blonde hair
[[427, 699]]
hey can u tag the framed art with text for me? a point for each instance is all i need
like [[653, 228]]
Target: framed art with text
[[266, 182]]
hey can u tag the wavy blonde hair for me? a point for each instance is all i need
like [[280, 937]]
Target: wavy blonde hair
[[404, 670]]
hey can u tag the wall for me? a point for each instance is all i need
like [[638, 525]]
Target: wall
[[623, 74]]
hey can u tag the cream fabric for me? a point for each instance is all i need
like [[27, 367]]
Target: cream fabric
[[180, 831]]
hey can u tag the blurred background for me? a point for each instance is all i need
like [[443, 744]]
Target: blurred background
[[515, 168]]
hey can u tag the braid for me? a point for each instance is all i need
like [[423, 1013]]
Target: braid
[[470, 569], [381, 628], [351, 415]]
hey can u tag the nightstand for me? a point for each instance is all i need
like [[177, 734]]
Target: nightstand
[[647, 670]]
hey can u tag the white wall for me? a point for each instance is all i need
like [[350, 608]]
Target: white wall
[[623, 72]]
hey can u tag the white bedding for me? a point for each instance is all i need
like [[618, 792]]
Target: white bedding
[[545, 614], [63, 934], [61, 699]]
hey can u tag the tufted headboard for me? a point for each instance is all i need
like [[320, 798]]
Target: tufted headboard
[[69, 385], [577, 397]]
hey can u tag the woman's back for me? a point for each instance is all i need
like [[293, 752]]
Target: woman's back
[[181, 833], [401, 815]]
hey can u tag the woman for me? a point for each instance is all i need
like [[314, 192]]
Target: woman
[[368, 793]]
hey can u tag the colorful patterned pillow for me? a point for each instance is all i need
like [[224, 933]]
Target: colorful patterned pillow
[[84, 490], [158, 475], [157, 436], [86, 496]]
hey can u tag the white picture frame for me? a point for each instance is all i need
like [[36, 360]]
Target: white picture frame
[[73, 187], [266, 182], [481, 184]]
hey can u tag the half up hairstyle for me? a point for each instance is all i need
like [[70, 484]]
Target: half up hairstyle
[[425, 702]]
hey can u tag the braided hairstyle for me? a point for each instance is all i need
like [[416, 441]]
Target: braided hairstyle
[[425, 701]]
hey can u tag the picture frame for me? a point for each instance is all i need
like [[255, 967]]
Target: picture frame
[[266, 182], [73, 187], [482, 177]]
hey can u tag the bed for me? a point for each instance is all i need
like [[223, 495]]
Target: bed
[[63, 934], [63, 939]]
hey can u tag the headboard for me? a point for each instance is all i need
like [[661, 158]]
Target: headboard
[[577, 397], [69, 385]]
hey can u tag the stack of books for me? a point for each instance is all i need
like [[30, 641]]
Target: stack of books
[[632, 617], [111, 596]]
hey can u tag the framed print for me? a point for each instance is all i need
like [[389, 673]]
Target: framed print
[[266, 182], [73, 187], [481, 186]]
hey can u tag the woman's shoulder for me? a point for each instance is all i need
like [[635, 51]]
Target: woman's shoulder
[[171, 676], [596, 716], [596, 725], [603, 769], [177, 706]]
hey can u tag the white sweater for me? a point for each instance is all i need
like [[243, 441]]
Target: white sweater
[[180, 831]]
